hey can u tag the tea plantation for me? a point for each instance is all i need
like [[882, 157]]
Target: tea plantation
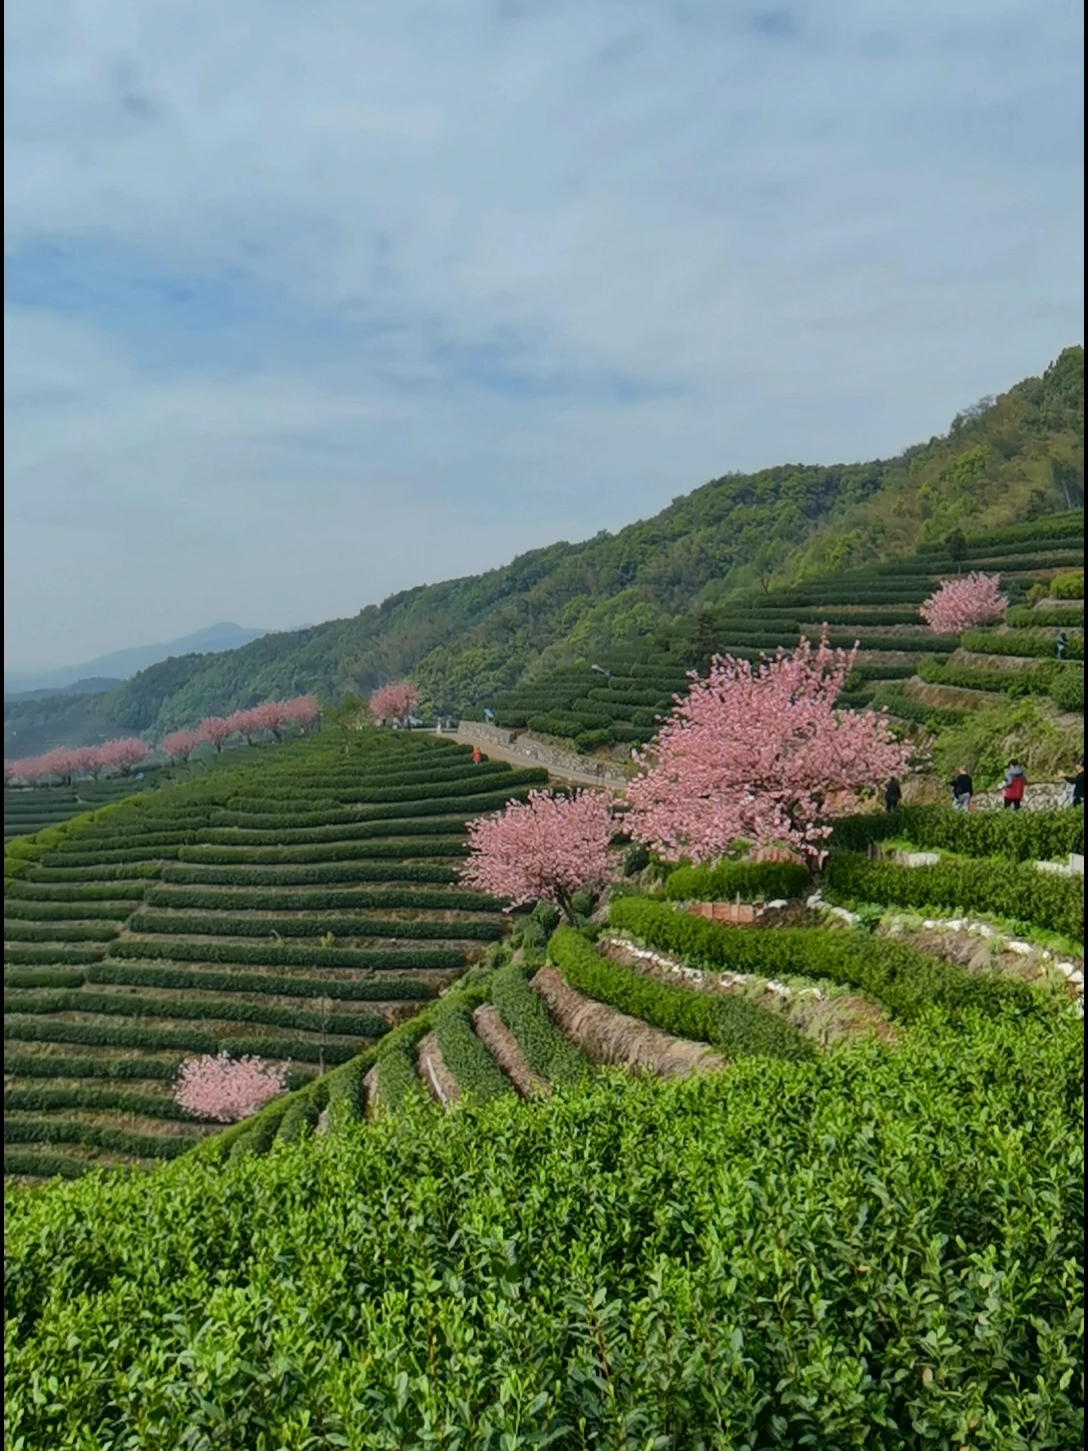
[[647, 1181], [619, 697], [293, 908]]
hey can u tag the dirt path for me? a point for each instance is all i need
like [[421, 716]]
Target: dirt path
[[607, 1036], [516, 757], [506, 1051], [437, 1078]]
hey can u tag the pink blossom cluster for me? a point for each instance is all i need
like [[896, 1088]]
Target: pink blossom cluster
[[226, 1089], [393, 702], [125, 753], [964, 603], [760, 754], [64, 764], [547, 847], [271, 717]]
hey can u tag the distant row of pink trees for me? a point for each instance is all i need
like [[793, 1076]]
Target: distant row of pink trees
[[123, 755]]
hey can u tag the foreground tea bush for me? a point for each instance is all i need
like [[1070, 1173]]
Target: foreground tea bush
[[872, 1245]]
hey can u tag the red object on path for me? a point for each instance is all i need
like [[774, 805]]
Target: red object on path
[[476, 756]]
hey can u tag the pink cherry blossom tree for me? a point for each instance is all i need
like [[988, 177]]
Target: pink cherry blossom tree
[[27, 769], [56, 763], [302, 711], [87, 761], [216, 731], [226, 1089], [964, 603], [393, 702], [759, 753], [269, 716], [242, 723], [181, 744], [545, 848], [125, 753], [11, 772]]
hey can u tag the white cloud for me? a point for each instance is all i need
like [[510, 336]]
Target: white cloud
[[509, 273]]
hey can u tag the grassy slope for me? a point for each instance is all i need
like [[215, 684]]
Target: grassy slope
[[466, 638]]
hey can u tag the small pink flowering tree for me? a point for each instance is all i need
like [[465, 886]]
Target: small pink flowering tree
[[60, 763], [393, 702], [227, 1089], [964, 603], [216, 731], [760, 753], [303, 711], [181, 744], [269, 716], [125, 753], [545, 848], [88, 761], [242, 723]]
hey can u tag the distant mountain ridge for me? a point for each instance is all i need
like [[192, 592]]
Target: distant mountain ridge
[[1003, 461], [121, 665]]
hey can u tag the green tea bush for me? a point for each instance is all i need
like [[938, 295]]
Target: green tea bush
[[39, 1100], [1020, 643], [238, 856], [1068, 586], [58, 1065], [1018, 836], [133, 1005], [1006, 889], [319, 900], [872, 1169], [94, 876], [50, 956], [905, 981], [904, 707], [1067, 690], [16, 930], [118, 1141], [373, 990], [1023, 617], [733, 1024], [37, 909], [547, 1051], [44, 977], [246, 953], [396, 1074], [181, 924], [298, 876], [752, 881], [472, 1066]]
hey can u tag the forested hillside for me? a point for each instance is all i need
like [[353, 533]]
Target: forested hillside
[[1002, 461]]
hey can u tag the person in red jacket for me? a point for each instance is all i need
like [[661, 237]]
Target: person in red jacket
[[1015, 781], [477, 755]]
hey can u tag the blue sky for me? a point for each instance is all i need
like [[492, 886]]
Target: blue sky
[[309, 301]]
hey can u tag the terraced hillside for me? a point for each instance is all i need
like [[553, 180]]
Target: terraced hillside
[[654, 987], [619, 697], [293, 908], [867, 1154], [30, 809]]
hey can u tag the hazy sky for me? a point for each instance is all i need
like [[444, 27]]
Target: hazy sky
[[309, 301]]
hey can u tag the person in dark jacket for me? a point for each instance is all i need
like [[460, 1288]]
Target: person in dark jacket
[[1077, 783], [893, 794], [1015, 784], [963, 788], [1059, 645]]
